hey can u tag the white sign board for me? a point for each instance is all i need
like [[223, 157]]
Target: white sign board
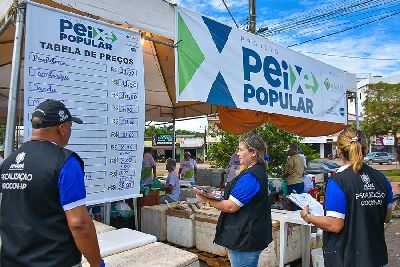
[[226, 66], [97, 71], [388, 141]]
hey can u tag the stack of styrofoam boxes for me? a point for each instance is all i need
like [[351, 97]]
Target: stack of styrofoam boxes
[[180, 226], [205, 221], [209, 176], [154, 220], [186, 193], [270, 256], [189, 193], [203, 177], [215, 178]]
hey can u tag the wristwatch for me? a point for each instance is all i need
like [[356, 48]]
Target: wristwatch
[[305, 217]]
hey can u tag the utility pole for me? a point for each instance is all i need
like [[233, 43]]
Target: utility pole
[[252, 16]]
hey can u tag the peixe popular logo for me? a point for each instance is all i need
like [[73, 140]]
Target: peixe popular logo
[[18, 165], [85, 34], [367, 182]]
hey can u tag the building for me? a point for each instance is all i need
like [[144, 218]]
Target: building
[[383, 143], [162, 146], [326, 144]]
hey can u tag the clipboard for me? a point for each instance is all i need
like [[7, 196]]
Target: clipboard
[[305, 199], [207, 195]]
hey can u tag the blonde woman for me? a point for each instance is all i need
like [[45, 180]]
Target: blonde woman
[[358, 203], [244, 225]]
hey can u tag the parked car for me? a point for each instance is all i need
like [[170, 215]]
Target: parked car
[[379, 157], [324, 165], [323, 169]]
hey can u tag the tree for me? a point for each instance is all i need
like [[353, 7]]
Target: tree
[[277, 142], [168, 129], [382, 111]]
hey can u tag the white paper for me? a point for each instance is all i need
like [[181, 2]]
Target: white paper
[[305, 199]]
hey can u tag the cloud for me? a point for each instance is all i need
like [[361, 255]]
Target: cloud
[[376, 40], [368, 47]]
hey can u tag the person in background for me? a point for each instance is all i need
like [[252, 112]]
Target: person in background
[[172, 184], [234, 164], [148, 167], [244, 226], [358, 203], [1, 157], [44, 220], [188, 168], [95, 210], [294, 171]]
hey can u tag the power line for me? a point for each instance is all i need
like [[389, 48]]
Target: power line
[[230, 14], [347, 29], [332, 26], [313, 15], [342, 8], [340, 12], [331, 55], [366, 11]]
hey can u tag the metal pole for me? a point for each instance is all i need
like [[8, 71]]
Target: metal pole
[[252, 16], [107, 213], [6, 24], [356, 109], [173, 139], [14, 83], [205, 143]]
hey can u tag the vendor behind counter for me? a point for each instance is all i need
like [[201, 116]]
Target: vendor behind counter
[[171, 186]]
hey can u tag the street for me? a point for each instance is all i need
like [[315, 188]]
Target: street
[[163, 172]]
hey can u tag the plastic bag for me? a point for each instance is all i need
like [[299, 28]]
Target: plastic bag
[[284, 187], [121, 209]]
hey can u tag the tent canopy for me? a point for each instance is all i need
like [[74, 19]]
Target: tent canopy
[[159, 65], [156, 18]]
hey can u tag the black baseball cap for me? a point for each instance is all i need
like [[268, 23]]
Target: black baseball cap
[[52, 113]]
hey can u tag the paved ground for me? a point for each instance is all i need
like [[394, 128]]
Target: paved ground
[[393, 243], [161, 166], [377, 166]]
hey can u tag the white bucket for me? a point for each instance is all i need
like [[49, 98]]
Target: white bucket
[[317, 257]]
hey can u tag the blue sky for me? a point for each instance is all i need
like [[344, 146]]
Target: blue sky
[[371, 49], [365, 44]]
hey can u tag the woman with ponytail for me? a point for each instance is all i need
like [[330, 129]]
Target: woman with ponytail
[[358, 203]]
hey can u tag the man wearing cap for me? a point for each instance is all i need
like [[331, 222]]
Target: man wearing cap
[[44, 220], [188, 168], [294, 172]]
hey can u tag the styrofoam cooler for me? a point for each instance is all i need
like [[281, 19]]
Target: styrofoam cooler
[[205, 227], [317, 257], [180, 226], [154, 220]]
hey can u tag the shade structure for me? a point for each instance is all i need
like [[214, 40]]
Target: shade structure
[[156, 19], [239, 121], [159, 65]]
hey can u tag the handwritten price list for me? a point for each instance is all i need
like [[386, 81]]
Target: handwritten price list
[[108, 95]]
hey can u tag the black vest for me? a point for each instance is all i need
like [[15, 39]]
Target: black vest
[[33, 225], [361, 242], [249, 228]]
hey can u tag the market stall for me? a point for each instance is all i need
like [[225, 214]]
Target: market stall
[[304, 96]]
